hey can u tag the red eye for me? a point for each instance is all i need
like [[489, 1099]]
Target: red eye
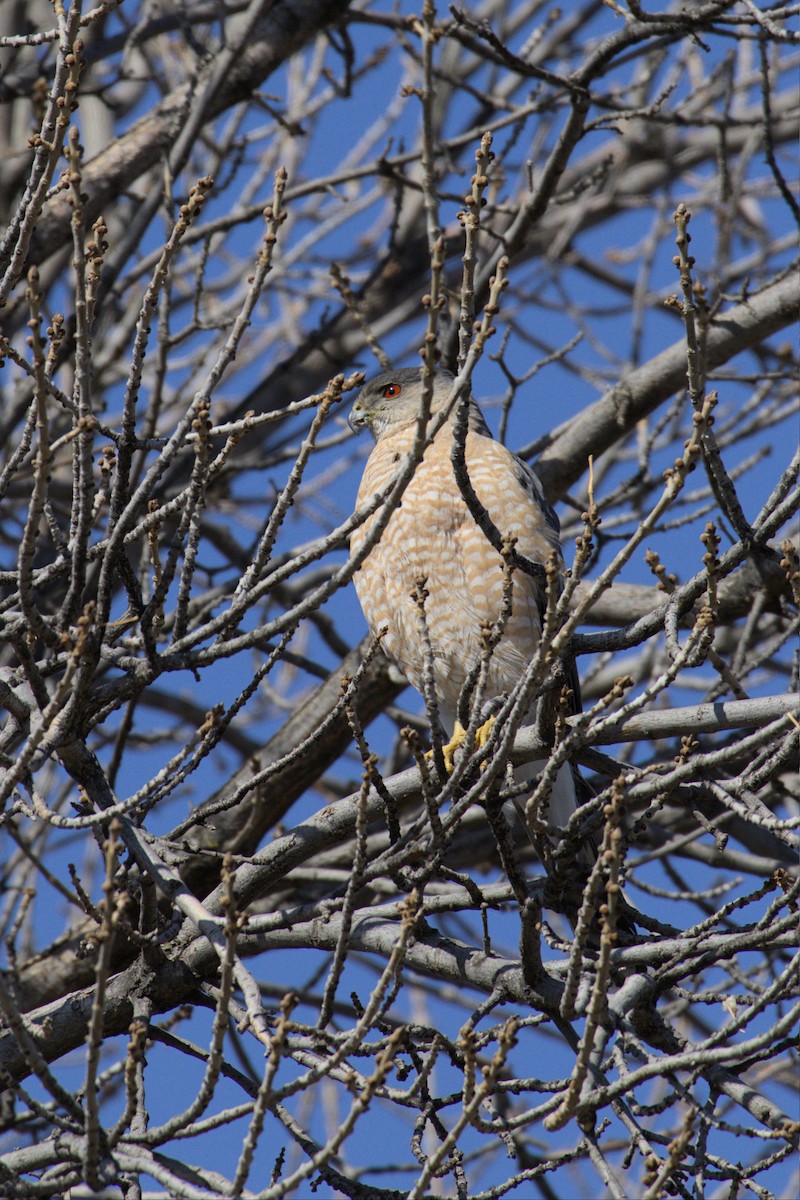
[[391, 390]]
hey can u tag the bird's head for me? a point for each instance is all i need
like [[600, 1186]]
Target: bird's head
[[393, 399]]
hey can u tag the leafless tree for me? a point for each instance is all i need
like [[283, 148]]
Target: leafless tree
[[255, 944]]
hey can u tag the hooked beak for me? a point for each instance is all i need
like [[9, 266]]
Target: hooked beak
[[356, 420]]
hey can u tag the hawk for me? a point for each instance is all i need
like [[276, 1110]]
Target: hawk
[[433, 536]]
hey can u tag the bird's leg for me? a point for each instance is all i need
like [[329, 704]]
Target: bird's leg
[[449, 751], [482, 735]]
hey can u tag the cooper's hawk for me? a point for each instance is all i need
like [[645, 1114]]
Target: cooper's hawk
[[432, 536]]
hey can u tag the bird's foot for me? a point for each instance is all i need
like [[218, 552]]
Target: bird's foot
[[482, 735], [449, 751]]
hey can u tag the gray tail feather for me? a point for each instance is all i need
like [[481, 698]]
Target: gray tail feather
[[563, 801]]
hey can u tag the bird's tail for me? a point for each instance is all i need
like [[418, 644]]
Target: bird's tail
[[565, 797]]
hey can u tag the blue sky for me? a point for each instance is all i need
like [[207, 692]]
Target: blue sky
[[557, 394]]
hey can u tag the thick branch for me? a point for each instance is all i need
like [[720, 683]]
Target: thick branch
[[283, 29], [615, 415]]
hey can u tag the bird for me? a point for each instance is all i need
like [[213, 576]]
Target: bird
[[432, 538]]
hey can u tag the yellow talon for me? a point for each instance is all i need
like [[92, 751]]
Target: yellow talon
[[483, 734], [455, 743], [449, 751]]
